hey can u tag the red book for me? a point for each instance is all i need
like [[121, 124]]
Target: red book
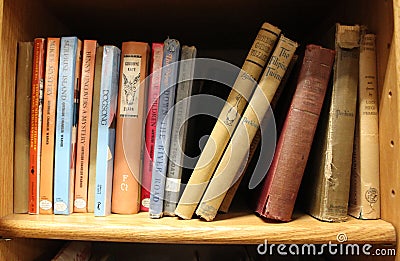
[[38, 70], [283, 180], [151, 122]]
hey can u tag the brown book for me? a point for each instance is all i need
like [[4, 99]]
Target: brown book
[[129, 139], [21, 129], [364, 199], [328, 177], [94, 129], [49, 124], [283, 180], [38, 69], [85, 117]]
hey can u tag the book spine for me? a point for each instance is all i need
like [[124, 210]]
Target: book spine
[[130, 118], [332, 185], [36, 123], [85, 117], [164, 126], [94, 129], [364, 199], [151, 122], [227, 120], [106, 129], [22, 127], [283, 180], [231, 162], [179, 129], [63, 159], [49, 123]]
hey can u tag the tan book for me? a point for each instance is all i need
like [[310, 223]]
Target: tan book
[[49, 124], [364, 199], [94, 129], [233, 161], [85, 116], [228, 119], [22, 126], [329, 175], [129, 138]]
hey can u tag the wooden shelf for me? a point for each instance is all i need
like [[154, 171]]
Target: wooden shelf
[[237, 228]]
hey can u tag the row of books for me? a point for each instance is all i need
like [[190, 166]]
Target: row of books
[[86, 103]]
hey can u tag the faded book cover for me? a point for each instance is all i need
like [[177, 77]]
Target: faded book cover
[[232, 163], [38, 68], [22, 127], [283, 179], [84, 125], [49, 123], [364, 198], [179, 129], [106, 129], [228, 120], [94, 129], [151, 122], [131, 116], [169, 76], [329, 176]]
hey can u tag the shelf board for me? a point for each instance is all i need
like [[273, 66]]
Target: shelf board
[[236, 228]]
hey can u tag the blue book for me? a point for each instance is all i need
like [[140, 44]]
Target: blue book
[[66, 121], [164, 125], [106, 129]]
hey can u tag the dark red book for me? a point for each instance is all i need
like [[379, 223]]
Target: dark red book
[[283, 180]]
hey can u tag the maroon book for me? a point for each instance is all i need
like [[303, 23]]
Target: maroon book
[[283, 180]]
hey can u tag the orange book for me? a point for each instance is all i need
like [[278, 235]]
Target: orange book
[[49, 123], [84, 126], [129, 140], [36, 123]]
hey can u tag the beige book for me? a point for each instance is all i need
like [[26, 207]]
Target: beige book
[[22, 126], [94, 130], [364, 201], [227, 120], [234, 158]]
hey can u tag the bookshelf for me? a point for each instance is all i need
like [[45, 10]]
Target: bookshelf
[[210, 26]]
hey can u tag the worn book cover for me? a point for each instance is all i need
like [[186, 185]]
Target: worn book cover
[[21, 127], [179, 129], [84, 125], [131, 116], [106, 129], [94, 129], [64, 159], [151, 122], [38, 69], [328, 179], [233, 160], [49, 123], [283, 180], [169, 76], [228, 119], [364, 198]]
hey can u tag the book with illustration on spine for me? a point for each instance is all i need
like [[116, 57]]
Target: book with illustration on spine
[[179, 129], [106, 129], [21, 127], [84, 125], [233, 160], [64, 156], [228, 120], [131, 116], [151, 122], [38, 69], [165, 116], [49, 123]]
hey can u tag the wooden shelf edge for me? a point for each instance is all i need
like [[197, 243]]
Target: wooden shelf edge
[[237, 228]]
